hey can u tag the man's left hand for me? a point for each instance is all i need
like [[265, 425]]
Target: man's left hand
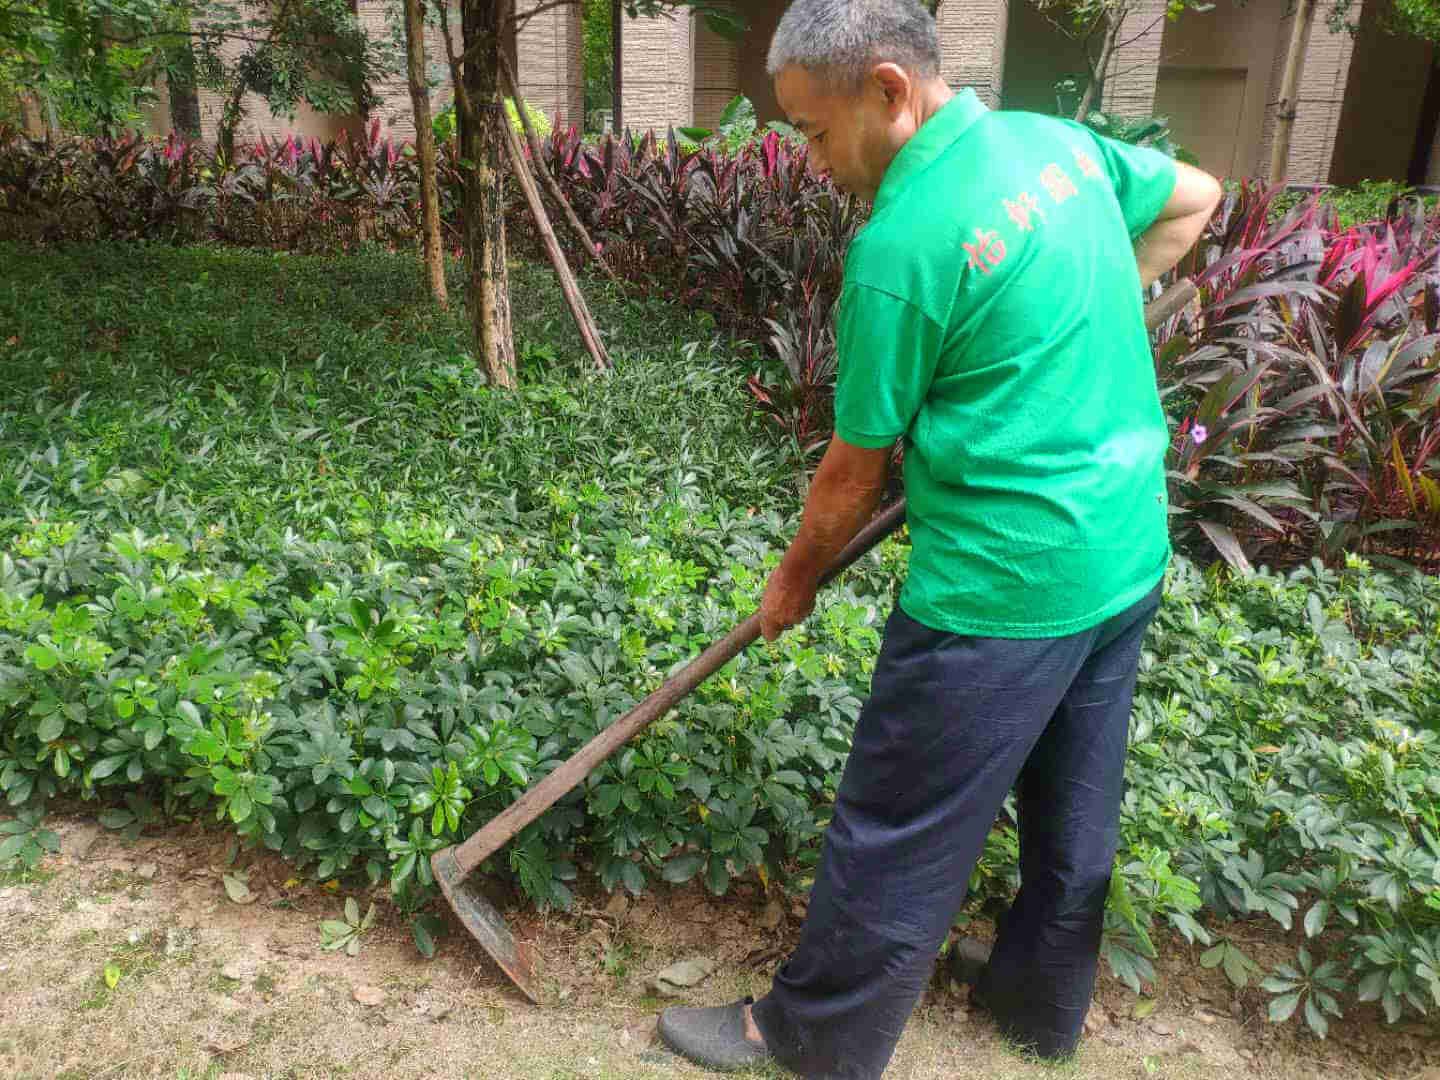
[[788, 599]]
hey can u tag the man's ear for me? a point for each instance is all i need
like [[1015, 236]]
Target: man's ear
[[893, 82]]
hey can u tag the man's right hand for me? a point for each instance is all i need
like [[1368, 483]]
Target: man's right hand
[[788, 599]]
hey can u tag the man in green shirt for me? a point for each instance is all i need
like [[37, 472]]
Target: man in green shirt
[[991, 317]]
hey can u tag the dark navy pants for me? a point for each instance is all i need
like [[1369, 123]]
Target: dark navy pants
[[953, 724]]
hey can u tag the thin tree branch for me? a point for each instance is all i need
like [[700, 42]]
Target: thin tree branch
[[1126, 44], [457, 78], [518, 21]]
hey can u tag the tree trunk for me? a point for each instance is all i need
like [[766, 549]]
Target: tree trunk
[[433, 248], [1097, 74], [1285, 110], [184, 97], [488, 285], [32, 117]]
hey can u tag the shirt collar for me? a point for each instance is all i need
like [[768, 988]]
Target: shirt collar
[[948, 123]]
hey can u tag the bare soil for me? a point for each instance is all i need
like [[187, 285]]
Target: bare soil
[[212, 988]]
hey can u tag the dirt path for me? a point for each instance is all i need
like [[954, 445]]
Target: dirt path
[[210, 988]]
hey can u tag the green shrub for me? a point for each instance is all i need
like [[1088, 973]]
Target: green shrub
[[1367, 201], [445, 123], [290, 566]]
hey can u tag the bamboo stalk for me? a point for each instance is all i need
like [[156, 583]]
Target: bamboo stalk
[[512, 88], [589, 332]]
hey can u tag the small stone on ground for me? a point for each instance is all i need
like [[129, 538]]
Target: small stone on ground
[[675, 979], [369, 996]]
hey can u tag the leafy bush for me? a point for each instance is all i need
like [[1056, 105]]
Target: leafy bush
[[1366, 202], [1151, 131], [1284, 766], [242, 578], [323, 610], [446, 126], [1306, 393]]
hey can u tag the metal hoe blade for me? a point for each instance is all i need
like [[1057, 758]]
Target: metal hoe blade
[[488, 928]]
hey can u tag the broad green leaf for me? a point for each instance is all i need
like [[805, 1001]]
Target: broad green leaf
[[11, 847], [240, 806], [681, 868], [51, 728], [105, 766], [1315, 1018], [237, 889], [116, 819], [1283, 1007], [42, 657], [424, 939]]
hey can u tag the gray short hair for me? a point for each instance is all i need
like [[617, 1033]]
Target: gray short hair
[[840, 40]]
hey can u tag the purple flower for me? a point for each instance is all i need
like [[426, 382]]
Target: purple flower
[[1199, 433]]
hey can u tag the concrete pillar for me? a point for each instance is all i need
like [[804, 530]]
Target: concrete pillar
[[1135, 63], [1321, 99], [658, 83], [972, 45]]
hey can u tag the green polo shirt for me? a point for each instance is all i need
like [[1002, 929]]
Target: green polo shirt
[[992, 315]]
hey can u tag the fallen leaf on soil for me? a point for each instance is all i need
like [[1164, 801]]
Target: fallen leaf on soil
[[678, 977], [239, 969], [146, 871], [237, 890], [226, 1042], [640, 1033], [618, 905], [1143, 1008], [368, 995], [774, 912], [1160, 1027], [1096, 1021]]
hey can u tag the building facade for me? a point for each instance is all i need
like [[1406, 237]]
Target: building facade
[[1368, 102]]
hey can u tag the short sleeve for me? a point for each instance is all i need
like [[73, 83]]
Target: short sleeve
[[1143, 180], [889, 351]]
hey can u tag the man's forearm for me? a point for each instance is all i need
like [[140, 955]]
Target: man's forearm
[[1179, 224], [1165, 243], [836, 509]]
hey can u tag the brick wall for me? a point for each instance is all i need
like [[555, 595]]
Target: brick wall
[[549, 55], [1134, 65], [1383, 97], [1321, 98], [717, 72], [972, 45], [658, 78], [548, 60], [551, 63]]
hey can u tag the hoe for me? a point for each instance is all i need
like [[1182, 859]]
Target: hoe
[[452, 865]]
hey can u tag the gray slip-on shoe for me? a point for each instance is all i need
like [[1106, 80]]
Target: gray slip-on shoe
[[713, 1037]]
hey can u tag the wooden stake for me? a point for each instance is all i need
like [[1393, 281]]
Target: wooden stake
[[589, 332], [551, 185]]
